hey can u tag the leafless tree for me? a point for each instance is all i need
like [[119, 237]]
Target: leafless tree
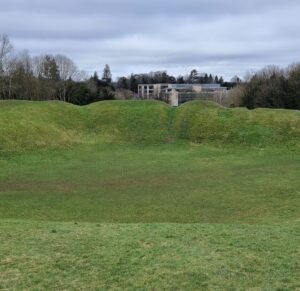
[[67, 71], [5, 49], [234, 96], [25, 61], [38, 65], [81, 76], [66, 67]]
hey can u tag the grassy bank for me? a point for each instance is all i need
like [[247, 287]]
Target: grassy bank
[[210, 123], [35, 125], [141, 196]]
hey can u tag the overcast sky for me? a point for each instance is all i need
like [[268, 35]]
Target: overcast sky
[[215, 36]]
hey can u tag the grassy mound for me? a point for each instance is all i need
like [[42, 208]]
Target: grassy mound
[[129, 121], [208, 122], [33, 125]]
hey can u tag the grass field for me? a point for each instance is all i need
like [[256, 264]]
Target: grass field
[[166, 205]]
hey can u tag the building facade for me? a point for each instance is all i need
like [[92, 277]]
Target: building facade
[[176, 94]]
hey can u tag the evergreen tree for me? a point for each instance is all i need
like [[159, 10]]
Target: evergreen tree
[[172, 80], [50, 69], [107, 77], [205, 79], [194, 77], [236, 79], [123, 83], [180, 80], [96, 77], [133, 83], [164, 77]]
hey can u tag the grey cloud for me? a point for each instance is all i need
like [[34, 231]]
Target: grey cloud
[[134, 7], [219, 36]]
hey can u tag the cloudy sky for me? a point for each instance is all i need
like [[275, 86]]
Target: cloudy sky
[[215, 36]]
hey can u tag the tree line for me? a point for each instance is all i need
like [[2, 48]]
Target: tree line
[[49, 77], [272, 87], [56, 77]]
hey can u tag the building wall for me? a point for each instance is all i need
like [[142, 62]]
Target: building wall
[[149, 91], [175, 94]]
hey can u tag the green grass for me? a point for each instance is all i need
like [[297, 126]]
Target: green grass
[[210, 123], [60, 256], [136, 195], [166, 183], [36, 125]]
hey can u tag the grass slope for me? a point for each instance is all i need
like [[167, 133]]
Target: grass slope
[[129, 122], [137, 195], [210, 123], [32, 125]]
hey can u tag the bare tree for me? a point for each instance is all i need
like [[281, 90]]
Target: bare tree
[[66, 67], [81, 76], [67, 71], [7, 82], [234, 96], [38, 65], [25, 60], [5, 48]]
